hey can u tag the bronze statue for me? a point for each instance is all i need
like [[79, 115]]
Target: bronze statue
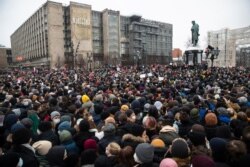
[[195, 33]]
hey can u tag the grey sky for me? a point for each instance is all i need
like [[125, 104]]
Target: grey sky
[[209, 14]]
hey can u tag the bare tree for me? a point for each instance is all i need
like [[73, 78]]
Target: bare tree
[[188, 43]]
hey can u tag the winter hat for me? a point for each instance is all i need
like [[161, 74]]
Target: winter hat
[[44, 126], [54, 114], [158, 105], [135, 104], [21, 136], [202, 161], [197, 138], [124, 108], [56, 155], [211, 119], [136, 130], [65, 118], [42, 147], [9, 159], [146, 107], [144, 152], [99, 98], [90, 144], [85, 98], [158, 143], [27, 122], [168, 162], [194, 113], [223, 132], [16, 127], [65, 136], [179, 148], [218, 145], [9, 120], [64, 126], [17, 111], [84, 126]]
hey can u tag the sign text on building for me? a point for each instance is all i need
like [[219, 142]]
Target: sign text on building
[[80, 21]]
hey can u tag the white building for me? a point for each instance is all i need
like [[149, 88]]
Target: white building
[[225, 40]]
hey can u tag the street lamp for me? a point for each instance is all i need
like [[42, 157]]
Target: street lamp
[[212, 54], [90, 60]]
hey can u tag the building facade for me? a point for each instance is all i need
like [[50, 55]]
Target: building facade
[[5, 57], [75, 35], [226, 41]]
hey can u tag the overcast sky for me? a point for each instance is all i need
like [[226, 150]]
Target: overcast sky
[[209, 14]]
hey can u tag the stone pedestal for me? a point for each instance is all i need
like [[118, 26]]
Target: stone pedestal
[[193, 56]]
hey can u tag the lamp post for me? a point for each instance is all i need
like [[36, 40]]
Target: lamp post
[[212, 54], [90, 60]]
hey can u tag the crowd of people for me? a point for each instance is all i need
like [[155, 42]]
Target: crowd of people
[[125, 116]]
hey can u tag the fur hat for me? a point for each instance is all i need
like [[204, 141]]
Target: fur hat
[[42, 147], [144, 152], [211, 119], [158, 143]]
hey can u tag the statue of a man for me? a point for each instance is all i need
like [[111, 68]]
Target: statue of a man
[[195, 33]]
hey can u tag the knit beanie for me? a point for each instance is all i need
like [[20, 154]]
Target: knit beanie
[[194, 113], [84, 126], [64, 126], [158, 143], [211, 119], [136, 130], [202, 161], [197, 138], [158, 105], [144, 152], [27, 122], [219, 150], [42, 147], [65, 136], [179, 148], [65, 118], [54, 114], [85, 98], [21, 136], [90, 144], [16, 127], [168, 162]]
